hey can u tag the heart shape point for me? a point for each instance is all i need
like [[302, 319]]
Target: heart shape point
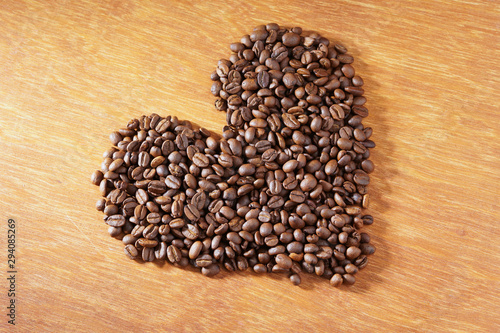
[[283, 190]]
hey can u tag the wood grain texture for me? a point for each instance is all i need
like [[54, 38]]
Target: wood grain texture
[[73, 71]]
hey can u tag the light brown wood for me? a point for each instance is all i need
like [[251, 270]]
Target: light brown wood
[[73, 71]]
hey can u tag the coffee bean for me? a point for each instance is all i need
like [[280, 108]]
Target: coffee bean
[[290, 183], [147, 243], [367, 249], [174, 255], [283, 261], [348, 279], [192, 213], [336, 111], [345, 144], [201, 160], [295, 279], [291, 39], [153, 218], [290, 166], [173, 182], [176, 223], [367, 166], [353, 252], [210, 270], [156, 188], [295, 247], [195, 250], [204, 261], [260, 268], [246, 170], [97, 177], [366, 201], [288, 178], [308, 183], [263, 79], [191, 232], [116, 220], [275, 202], [131, 251], [275, 187], [361, 178], [336, 280], [297, 196], [290, 121]]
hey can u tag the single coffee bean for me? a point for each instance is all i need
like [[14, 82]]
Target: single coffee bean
[[173, 254], [201, 160], [131, 251], [192, 213], [195, 250], [173, 182], [147, 243], [283, 261], [210, 270], [295, 279], [275, 202], [336, 280], [348, 279], [116, 220], [97, 177], [290, 166], [204, 261], [246, 170], [263, 79], [156, 188], [353, 252], [297, 196], [291, 39]]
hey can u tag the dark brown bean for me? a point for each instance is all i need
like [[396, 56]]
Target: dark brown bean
[[283, 261]]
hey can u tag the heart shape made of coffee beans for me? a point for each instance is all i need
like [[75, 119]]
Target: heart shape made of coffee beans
[[283, 190]]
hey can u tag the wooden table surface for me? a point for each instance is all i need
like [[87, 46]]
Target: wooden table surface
[[71, 72]]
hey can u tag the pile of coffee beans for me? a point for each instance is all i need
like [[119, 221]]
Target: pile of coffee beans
[[283, 190]]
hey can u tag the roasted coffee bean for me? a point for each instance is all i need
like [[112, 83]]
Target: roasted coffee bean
[[290, 166], [246, 170], [147, 243], [174, 255], [263, 79], [161, 251], [348, 279], [148, 254], [153, 218], [201, 160], [290, 121], [131, 251], [291, 39], [275, 202], [195, 250], [156, 188], [210, 270], [297, 196], [192, 212], [283, 261], [116, 220], [336, 280], [285, 187], [177, 223], [295, 279], [97, 177], [173, 182]]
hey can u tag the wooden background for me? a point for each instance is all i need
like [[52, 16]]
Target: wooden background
[[73, 71]]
